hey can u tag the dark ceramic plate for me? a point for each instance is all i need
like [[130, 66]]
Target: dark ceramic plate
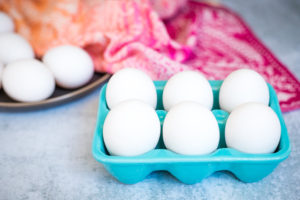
[[59, 96]]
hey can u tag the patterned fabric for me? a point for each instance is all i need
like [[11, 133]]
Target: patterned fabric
[[127, 33], [221, 43]]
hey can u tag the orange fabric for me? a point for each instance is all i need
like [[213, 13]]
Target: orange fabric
[[115, 33]]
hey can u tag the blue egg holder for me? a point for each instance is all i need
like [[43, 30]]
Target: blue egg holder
[[190, 169]]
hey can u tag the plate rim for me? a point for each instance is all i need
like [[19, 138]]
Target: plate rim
[[61, 98]]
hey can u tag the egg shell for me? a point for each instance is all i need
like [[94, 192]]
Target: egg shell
[[187, 86], [130, 83], [71, 66], [253, 128], [191, 129], [6, 23], [243, 86], [131, 128], [28, 80], [14, 47]]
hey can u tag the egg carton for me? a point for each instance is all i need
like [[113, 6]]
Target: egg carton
[[190, 169]]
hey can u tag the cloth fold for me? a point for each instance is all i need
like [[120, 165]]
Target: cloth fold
[[157, 36]]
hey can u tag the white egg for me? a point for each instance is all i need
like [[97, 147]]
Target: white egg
[[71, 66], [130, 83], [14, 47], [6, 23], [253, 128], [28, 80], [131, 128], [1, 70], [191, 129], [243, 86], [187, 86]]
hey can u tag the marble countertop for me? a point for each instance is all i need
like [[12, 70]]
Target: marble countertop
[[47, 154]]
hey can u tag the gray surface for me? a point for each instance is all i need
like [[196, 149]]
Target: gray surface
[[47, 154]]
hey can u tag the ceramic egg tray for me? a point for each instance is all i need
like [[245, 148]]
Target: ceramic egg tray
[[190, 169]]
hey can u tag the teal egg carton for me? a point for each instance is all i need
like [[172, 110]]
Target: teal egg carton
[[190, 169]]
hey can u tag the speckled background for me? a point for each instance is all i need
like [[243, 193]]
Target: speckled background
[[47, 154]]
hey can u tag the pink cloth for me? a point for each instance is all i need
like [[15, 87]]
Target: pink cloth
[[222, 43], [130, 33], [213, 40], [166, 8], [142, 41]]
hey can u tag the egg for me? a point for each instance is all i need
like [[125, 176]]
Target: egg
[[243, 86], [253, 128], [131, 128], [6, 23], [14, 47], [71, 66], [187, 86], [130, 83], [27, 80], [190, 129], [1, 70]]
